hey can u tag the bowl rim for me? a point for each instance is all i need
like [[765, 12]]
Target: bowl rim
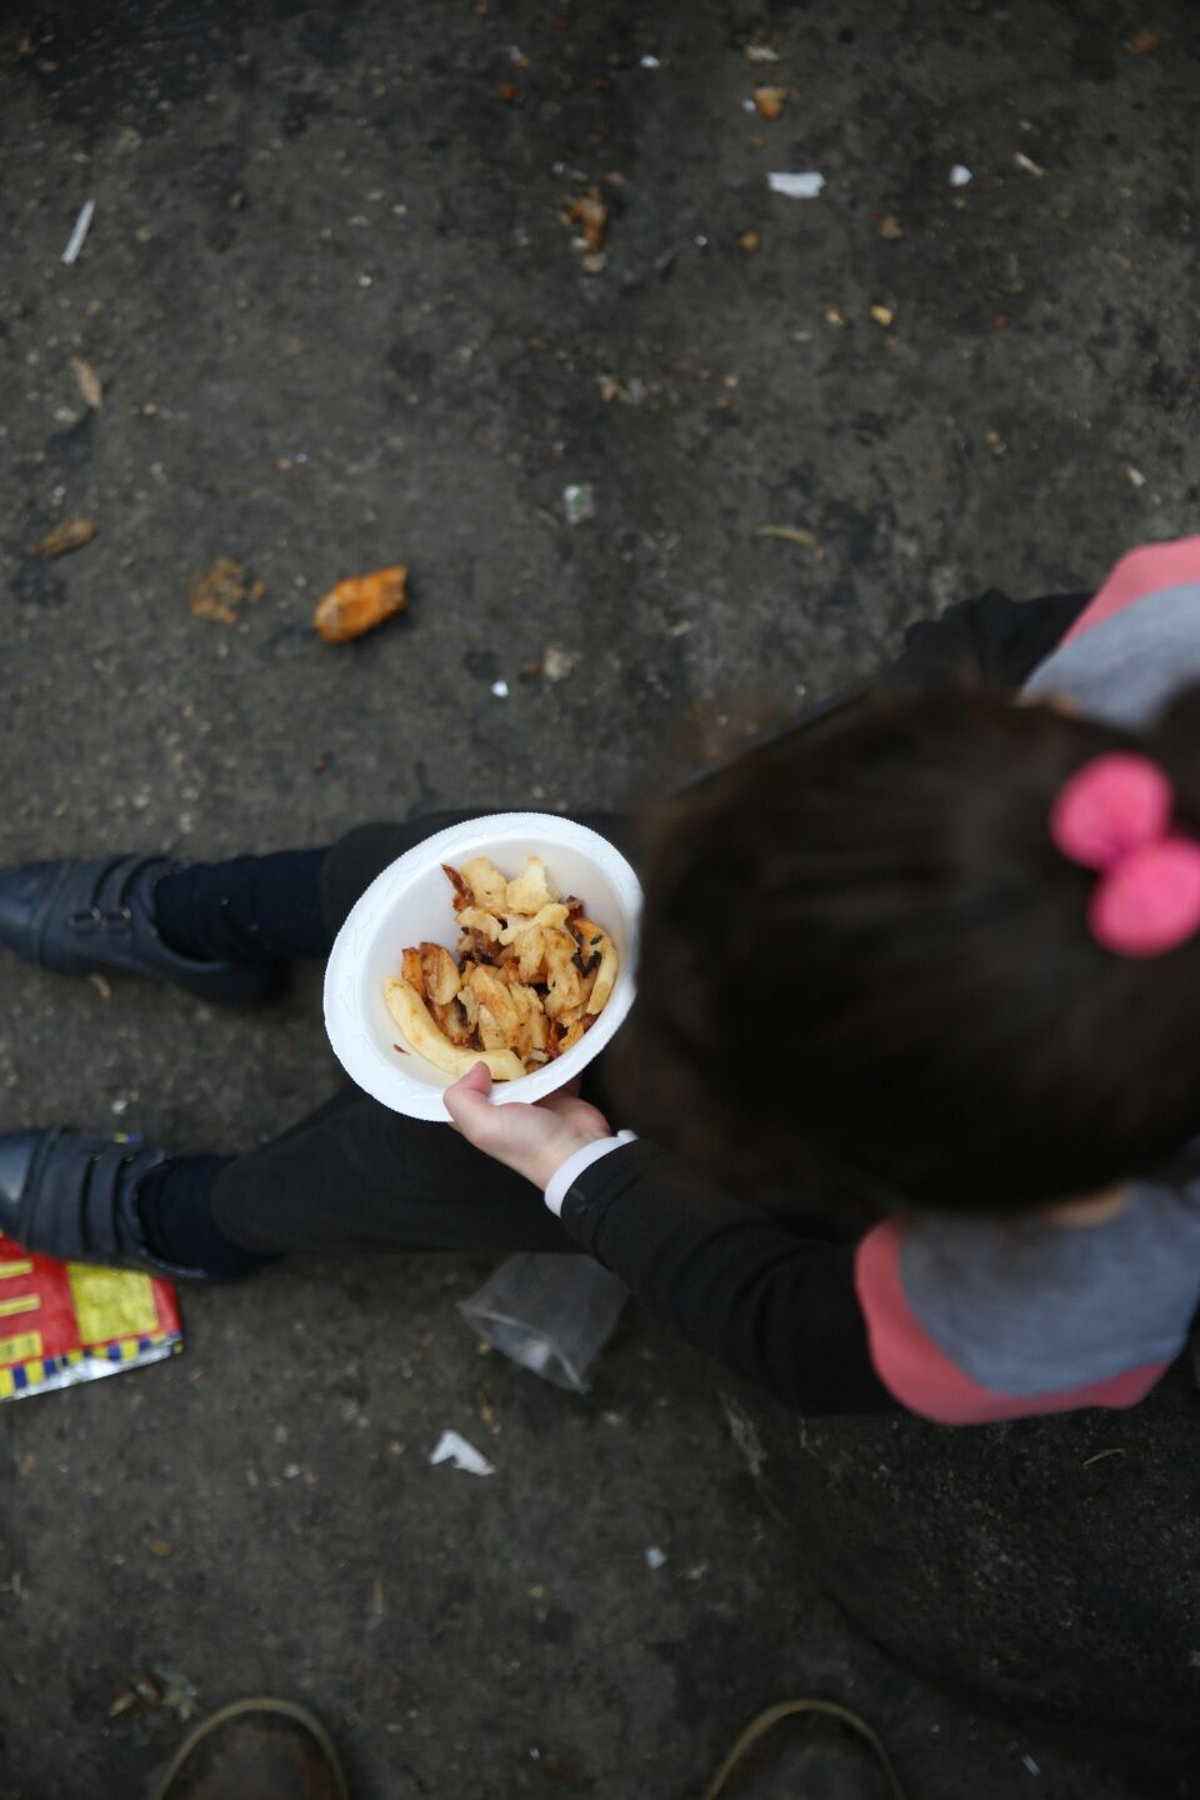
[[348, 1035]]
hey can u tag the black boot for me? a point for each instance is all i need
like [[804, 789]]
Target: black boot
[[82, 917], [74, 1197]]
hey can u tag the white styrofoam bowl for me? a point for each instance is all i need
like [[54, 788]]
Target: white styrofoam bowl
[[412, 902]]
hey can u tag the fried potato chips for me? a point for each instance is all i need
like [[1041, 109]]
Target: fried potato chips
[[533, 973]]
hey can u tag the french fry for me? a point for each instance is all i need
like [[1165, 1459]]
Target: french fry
[[594, 938], [409, 1011], [475, 918], [441, 977], [531, 890], [487, 883]]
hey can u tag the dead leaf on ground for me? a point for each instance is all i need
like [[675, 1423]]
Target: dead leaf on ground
[[770, 101], [136, 1697], [890, 227], [750, 241], [557, 662], [883, 315], [793, 534], [90, 384], [72, 534], [487, 1412], [360, 603], [590, 212], [219, 591], [1142, 41]]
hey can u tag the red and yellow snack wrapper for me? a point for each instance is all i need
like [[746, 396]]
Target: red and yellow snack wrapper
[[66, 1322]]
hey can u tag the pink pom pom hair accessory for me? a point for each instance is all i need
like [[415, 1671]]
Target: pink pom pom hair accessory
[[1114, 815]]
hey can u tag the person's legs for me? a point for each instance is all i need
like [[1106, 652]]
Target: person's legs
[[354, 1176]]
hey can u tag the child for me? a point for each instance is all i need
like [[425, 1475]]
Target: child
[[931, 961]]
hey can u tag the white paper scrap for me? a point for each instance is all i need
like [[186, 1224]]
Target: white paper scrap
[[75, 241], [959, 175], [454, 1449], [655, 1558], [805, 185]]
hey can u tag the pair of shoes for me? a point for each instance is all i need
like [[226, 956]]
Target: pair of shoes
[[256, 1750], [96, 917], [806, 1750], [74, 1197]]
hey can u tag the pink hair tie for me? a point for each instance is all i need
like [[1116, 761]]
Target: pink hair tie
[[1114, 815]]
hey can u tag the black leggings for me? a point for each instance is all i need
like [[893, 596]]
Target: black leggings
[[353, 1176]]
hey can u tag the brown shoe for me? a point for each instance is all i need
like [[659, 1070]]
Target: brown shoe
[[256, 1750], [806, 1750]]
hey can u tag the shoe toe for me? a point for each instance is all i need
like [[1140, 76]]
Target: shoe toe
[[17, 1151], [25, 892]]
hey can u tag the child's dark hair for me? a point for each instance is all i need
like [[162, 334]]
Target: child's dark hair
[[865, 965]]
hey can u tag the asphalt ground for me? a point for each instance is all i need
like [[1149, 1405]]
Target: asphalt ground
[[339, 322]]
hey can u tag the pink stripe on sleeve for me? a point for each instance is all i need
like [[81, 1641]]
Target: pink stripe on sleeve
[[922, 1376], [1145, 571]]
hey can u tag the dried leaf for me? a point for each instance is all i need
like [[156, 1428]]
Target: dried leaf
[[750, 241], [219, 591], [883, 315], [590, 213], [793, 534], [1142, 41], [890, 227], [360, 603], [770, 101], [90, 384], [72, 534]]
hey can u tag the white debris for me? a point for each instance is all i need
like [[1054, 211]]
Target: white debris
[[651, 62], [1134, 476], [557, 663], [454, 1449], [1031, 1765], [749, 106], [82, 226], [579, 502], [959, 175], [761, 53], [500, 689], [655, 1558], [805, 185], [1027, 163]]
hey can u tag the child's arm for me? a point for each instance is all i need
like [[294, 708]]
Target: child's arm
[[777, 1307]]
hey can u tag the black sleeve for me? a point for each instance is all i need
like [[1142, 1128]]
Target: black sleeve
[[777, 1308], [991, 641]]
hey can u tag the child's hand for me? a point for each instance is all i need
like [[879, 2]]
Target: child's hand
[[534, 1141]]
